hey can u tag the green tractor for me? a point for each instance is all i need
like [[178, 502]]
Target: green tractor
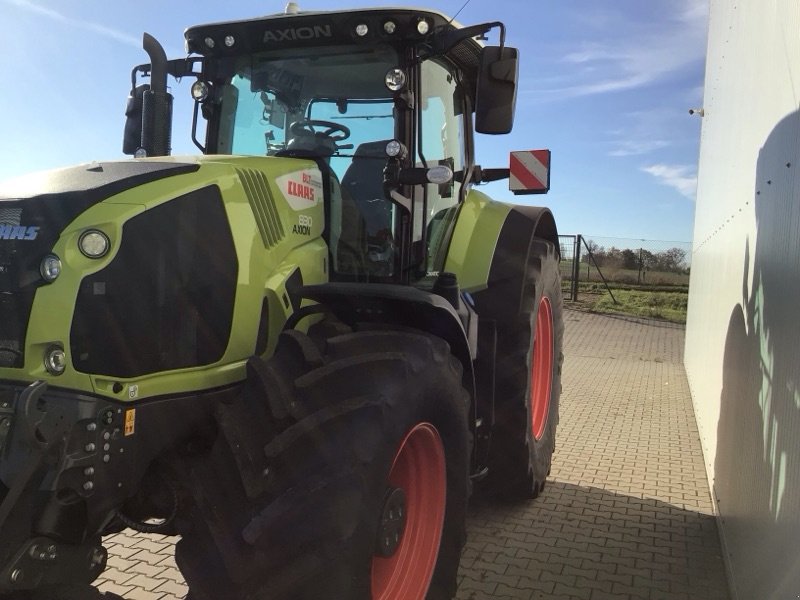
[[298, 350]]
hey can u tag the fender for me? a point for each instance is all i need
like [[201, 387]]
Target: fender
[[472, 245], [502, 293], [488, 235], [489, 252], [397, 305]]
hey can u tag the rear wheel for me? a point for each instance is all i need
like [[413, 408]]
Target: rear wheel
[[368, 478], [528, 380]]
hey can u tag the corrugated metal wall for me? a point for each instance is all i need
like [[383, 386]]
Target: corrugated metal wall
[[743, 329]]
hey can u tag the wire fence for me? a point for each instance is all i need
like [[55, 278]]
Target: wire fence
[[623, 263]]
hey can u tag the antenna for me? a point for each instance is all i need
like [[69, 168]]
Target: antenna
[[458, 12]]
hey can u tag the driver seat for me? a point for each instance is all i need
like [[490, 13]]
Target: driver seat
[[363, 182]]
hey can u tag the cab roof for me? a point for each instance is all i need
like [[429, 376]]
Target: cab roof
[[326, 28]]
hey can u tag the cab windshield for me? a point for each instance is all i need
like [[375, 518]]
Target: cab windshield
[[275, 102], [332, 104]]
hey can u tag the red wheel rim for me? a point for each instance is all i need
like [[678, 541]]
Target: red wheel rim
[[541, 368], [419, 470]]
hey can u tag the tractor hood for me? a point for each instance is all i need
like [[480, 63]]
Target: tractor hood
[[42, 204], [34, 210], [185, 239]]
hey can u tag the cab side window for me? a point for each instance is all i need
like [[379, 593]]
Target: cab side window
[[440, 142]]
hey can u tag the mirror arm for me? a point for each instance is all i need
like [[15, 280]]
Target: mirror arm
[[481, 175], [443, 43]]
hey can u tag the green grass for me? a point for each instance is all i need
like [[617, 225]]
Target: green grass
[[670, 306]]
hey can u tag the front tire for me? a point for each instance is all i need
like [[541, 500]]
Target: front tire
[[369, 490]]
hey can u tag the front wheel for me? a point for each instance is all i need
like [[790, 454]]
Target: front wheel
[[369, 483], [414, 467]]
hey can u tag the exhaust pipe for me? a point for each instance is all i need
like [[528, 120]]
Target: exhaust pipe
[[157, 102], [158, 63]]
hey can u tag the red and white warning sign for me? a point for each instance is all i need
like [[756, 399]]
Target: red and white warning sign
[[529, 172]]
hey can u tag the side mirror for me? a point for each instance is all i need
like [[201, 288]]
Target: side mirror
[[496, 91], [132, 138]]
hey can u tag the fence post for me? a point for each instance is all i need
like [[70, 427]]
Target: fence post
[[576, 267], [596, 266], [641, 264]]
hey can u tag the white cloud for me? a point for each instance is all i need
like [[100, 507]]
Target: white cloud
[[97, 28], [635, 56], [637, 147], [647, 131], [681, 177]]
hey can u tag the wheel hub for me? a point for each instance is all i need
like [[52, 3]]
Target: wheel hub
[[392, 522]]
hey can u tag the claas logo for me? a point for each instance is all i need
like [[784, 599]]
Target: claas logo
[[18, 232]]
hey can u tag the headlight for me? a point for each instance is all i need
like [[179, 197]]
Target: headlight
[[50, 268], [395, 79], [394, 149], [199, 90], [55, 360], [94, 243]]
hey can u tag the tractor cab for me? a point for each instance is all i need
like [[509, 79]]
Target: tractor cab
[[381, 99]]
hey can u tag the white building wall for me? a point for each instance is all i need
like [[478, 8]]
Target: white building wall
[[743, 327]]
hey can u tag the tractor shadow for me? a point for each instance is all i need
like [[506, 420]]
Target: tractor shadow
[[757, 465], [580, 541]]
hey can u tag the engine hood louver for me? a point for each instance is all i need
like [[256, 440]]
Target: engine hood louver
[[263, 204]]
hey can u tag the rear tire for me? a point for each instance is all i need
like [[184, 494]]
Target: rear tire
[[528, 380], [379, 411]]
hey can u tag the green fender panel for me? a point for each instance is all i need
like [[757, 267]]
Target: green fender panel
[[490, 237], [480, 220]]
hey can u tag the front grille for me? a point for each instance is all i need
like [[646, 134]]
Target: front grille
[[10, 216], [166, 300], [15, 309], [19, 273]]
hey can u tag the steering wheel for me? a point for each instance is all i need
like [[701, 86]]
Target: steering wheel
[[308, 127]]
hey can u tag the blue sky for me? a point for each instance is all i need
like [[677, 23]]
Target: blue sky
[[605, 84]]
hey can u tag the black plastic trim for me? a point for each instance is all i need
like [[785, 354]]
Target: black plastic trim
[[510, 259], [397, 305]]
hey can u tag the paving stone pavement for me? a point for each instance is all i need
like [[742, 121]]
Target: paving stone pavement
[[626, 513]]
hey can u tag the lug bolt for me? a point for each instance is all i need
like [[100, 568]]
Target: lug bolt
[[16, 575], [88, 486], [88, 471], [106, 447], [106, 458], [91, 427], [90, 447], [106, 436]]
